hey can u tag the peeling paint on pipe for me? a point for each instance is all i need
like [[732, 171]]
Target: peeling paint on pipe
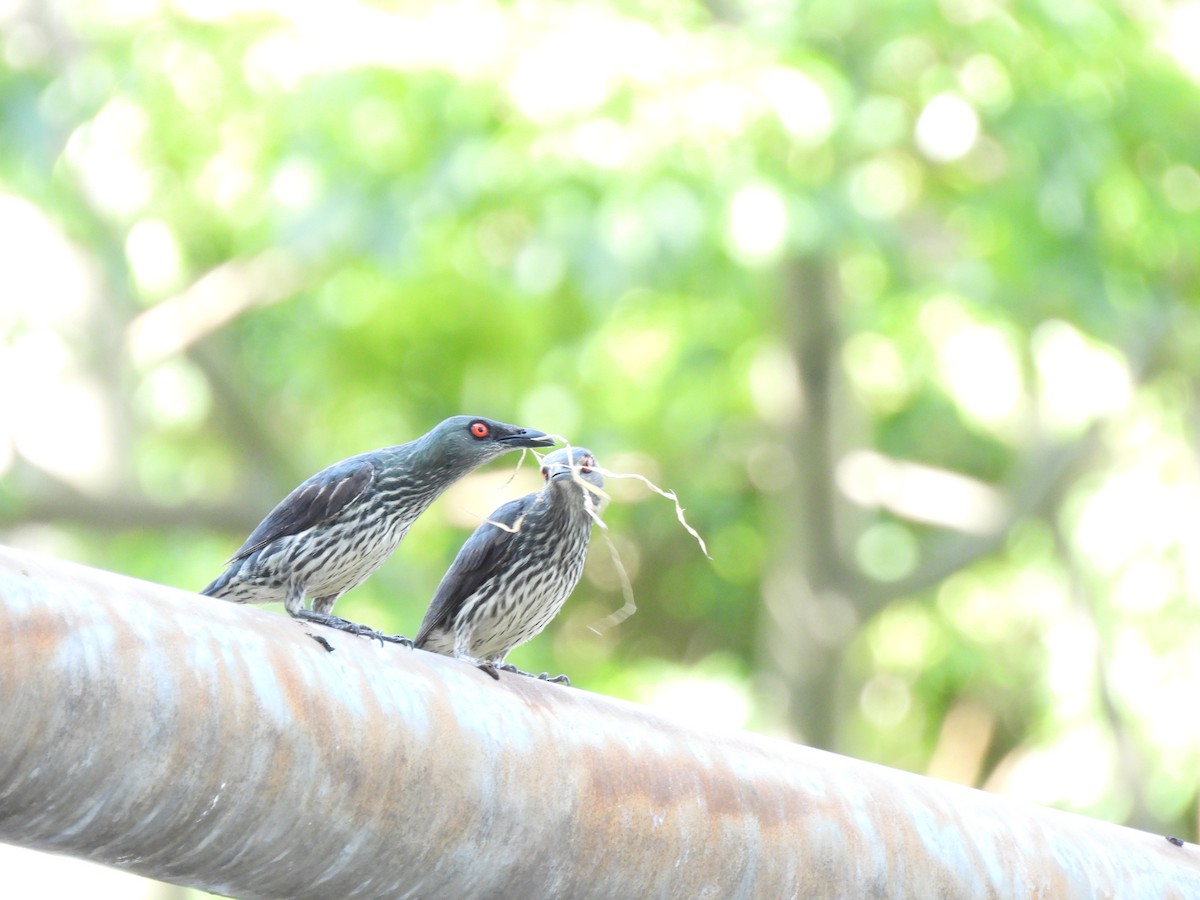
[[218, 746]]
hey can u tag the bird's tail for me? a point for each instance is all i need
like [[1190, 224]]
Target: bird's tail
[[221, 585]]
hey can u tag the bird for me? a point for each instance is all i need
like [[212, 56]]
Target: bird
[[516, 570], [337, 527]]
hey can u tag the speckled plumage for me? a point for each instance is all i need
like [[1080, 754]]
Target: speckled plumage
[[514, 573], [335, 529]]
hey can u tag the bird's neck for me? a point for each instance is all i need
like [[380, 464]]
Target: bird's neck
[[421, 472], [572, 500]]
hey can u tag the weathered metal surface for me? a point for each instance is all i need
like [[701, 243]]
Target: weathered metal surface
[[219, 746]]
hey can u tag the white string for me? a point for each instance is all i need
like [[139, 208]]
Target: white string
[[670, 495], [617, 616]]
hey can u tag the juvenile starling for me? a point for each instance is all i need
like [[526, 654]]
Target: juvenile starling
[[329, 534], [513, 574]]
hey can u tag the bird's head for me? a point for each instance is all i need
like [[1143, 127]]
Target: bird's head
[[571, 463], [473, 440]]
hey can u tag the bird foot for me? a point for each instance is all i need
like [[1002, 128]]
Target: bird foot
[[494, 669], [489, 668], [337, 622], [545, 676]]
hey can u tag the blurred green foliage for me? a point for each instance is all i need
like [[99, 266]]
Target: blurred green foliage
[[899, 297]]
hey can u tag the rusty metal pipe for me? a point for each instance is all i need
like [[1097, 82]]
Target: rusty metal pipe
[[218, 746]]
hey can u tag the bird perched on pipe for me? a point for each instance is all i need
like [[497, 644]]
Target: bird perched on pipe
[[514, 573], [330, 533]]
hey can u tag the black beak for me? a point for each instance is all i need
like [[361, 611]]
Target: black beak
[[526, 437]]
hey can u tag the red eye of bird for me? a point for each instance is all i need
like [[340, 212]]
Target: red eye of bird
[[586, 463], [545, 473], [480, 430]]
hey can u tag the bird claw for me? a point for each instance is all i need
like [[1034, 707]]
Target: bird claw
[[545, 676], [495, 668], [337, 622], [490, 669]]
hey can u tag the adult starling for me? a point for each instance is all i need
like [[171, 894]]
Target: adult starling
[[513, 574], [329, 534]]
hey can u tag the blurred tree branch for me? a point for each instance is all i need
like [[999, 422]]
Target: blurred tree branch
[[828, 594]]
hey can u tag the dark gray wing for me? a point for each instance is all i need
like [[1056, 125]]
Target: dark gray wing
[[485, 551], [317, 500]]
